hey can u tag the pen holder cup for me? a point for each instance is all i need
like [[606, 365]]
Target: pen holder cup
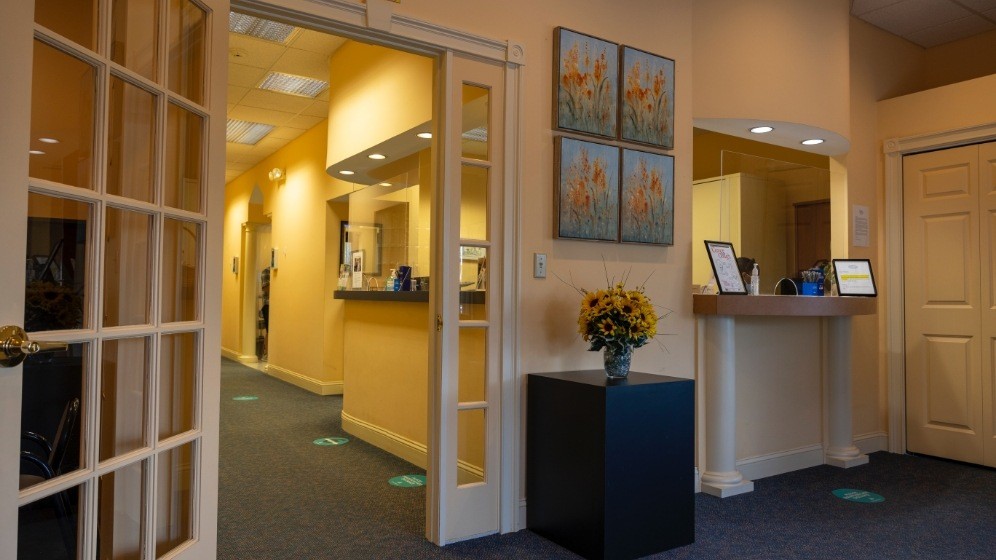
[[812, 289]]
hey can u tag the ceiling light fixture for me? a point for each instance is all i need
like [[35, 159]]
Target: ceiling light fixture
[[346, 172], [812, 142], [259, 28], [425, 135], [36, 152], [377, 156], [762, 129], [245, 132], [384, 184], [293, 85], [48, 140]]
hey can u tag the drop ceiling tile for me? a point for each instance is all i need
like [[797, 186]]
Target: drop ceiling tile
[[317, 42], [235, 94], [286, 132], [268, 145], [238, 166], [303, 63], [266, 116], [234, 151], [317, 109], [859, 7], [304, 121], [264, 99], [951, 31], [910, 16], [253, 52], [979, 5], [244, 76]]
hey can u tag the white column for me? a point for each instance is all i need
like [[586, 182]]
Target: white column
[[721, 477], [248, 284], [840, 451]]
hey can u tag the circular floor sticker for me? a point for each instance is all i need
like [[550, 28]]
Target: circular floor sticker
[[860, 496], [408, 481], [326, 441], [245, 398]]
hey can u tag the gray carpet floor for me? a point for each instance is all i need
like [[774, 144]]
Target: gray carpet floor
[[283, 497]]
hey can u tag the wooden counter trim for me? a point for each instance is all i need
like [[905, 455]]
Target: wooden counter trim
[[787, 306], [466, 296]]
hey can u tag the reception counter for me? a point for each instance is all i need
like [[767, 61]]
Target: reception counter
[[720, 476]]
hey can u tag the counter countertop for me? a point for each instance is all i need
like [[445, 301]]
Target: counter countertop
[[787, 306], [476, 296]]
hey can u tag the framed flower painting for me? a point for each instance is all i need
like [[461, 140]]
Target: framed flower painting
[[647, 99], [587, 190], [586, 88], [647, 200]]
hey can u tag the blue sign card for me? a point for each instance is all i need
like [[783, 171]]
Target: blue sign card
[[860, 496], [407, 481]]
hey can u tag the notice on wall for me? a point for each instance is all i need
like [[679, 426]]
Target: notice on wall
[[859, 227]]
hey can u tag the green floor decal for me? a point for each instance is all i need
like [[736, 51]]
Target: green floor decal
[[245, 398], [408, 481], [860, 496], [331, 441]]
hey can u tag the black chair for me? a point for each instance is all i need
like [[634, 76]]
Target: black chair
[[39, 467]]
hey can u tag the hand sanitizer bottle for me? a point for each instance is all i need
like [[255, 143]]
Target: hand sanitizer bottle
[[755, 281], [390, 284]]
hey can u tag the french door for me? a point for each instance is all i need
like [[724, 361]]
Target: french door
[[112, 198], [465, 417]]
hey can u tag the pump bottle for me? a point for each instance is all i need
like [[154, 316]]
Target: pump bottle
[[755, 281]]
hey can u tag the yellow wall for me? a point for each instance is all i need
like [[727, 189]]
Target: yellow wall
[[375, 94], [708, 145]]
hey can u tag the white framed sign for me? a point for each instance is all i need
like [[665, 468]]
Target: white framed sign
[[724, 267], [854, 277]]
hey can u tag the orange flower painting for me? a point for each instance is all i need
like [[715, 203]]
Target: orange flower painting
[[647, 204], [648, 98], [587, 78], [588, 190]]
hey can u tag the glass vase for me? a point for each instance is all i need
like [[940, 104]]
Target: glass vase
[[617, 361]]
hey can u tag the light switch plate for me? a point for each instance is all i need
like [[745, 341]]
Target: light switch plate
[[539, 265]]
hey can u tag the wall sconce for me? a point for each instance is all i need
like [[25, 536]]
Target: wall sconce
[[277, 174]]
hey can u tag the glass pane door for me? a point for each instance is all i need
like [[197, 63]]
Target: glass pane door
[[106, 146]]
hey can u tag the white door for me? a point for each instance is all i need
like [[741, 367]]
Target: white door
[[949, 297], [110, 443], [465, 422], [987, 201]]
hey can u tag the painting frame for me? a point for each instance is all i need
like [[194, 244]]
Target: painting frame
[[584, 63], [586, 190], [646, 106], [646, 198], [723, 258]]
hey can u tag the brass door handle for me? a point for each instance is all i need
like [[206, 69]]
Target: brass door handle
[[15, 346]]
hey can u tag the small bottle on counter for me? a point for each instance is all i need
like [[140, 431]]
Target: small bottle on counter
[[755, 281], [391, 285]]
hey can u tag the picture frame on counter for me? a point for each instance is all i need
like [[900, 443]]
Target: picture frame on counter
[[854, 277], [586, 84], [723, 258]]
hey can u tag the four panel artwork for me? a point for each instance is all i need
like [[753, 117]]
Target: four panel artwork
[[606, 192]]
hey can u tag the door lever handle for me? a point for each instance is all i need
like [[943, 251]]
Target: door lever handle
[[15, 346]]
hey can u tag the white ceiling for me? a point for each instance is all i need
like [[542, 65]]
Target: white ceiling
[[305, 53], [928, 23]]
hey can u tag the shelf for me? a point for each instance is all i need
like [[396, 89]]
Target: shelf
[[785, 306], [476, 296]]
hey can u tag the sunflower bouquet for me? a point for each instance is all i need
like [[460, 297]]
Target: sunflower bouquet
[[616, 317]]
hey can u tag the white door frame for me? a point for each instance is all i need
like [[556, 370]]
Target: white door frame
[[375, 21], [895, 345]]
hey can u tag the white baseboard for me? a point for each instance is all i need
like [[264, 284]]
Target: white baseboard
[[400, 446], [303, 381], [781, 462], [520, 522], [872, 442], [236, 356], [230, 354]]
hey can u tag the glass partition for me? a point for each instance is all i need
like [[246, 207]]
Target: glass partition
[[775, 213]]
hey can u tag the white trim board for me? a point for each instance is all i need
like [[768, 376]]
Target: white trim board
[[309, 384]]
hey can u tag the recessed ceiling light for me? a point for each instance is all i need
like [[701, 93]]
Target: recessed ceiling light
[[377, 156], [761, 129], [425, 135], [294, 85], [346, 172], [245, 132], [259, 28], [384, 184], [48, 140], [36, 152], [812, 141]]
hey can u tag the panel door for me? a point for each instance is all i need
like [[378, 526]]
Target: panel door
[[987, 189], [466, 408], [943, 302], [108, 141]]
